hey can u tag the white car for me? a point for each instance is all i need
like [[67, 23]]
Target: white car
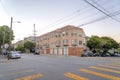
[[14, 55]]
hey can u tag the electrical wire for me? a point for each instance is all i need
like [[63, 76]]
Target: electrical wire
[[6, 11], [100, 10], [104, 10], [101, 18], [73, 16]]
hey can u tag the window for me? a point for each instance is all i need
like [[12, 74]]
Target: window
[[74, 34], [57, 35], [64, 33], [65, 42], [80, 35], [80, 42], [74, 42]]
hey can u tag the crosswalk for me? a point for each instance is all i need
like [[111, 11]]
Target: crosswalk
[[74, 76], [99, 70], [109, 71], [31, 77]]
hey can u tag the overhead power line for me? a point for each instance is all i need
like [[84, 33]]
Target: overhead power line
[[100, 10], [5, 9], [105, 10], [101, 18]]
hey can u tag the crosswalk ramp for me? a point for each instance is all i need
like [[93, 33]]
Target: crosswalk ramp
[[99, 71]]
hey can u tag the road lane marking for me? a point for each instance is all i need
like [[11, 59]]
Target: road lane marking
[[108, 66], [14, 73], [104, 69], [74, 76], [30, 77], [100, 74]]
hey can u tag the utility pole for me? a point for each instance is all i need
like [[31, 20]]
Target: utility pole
[[10, 36], [34, 36], [10, 30], [4, 38]]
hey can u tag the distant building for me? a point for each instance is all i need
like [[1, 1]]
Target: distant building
[[21, 42], [30, 38], [68, 40]]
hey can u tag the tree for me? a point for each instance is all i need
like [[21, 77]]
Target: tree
[[29, 45], [110, 43], [20, 48], [94, 43], [5, 29], [5, 35], [102, 43]]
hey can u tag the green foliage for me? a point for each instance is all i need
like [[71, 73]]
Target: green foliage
[[5, 31], [98, 43], [29, 45], [118, 50], [110, 43], [20, 48], [94, 42]]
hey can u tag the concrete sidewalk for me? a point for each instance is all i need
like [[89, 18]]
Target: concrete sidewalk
[[3, 59]]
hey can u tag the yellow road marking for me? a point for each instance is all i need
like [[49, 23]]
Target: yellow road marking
[[104, 69], [74, 76], [30, 77], [109, 66], [14, 73], [100, 74]]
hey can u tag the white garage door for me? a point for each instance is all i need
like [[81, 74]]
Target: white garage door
[[51, 51], [60, 51], [66, 51], [44, 51], [55, 51]]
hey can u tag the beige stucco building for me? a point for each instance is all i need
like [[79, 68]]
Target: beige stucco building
[[68, 40]]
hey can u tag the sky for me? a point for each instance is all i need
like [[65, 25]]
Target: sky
[[48, 15]]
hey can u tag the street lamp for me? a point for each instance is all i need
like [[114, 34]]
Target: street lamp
[[11, 22]]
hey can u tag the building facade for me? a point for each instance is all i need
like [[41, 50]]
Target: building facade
[[21, 42], [68, 40]]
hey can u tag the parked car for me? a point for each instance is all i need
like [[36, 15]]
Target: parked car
[[106, 55], [116, 55], [96, 55], [37, 52], [14, 55], [87, 54]]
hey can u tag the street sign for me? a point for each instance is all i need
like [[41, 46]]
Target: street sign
[[6, 46]]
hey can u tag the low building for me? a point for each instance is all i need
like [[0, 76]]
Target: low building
[[68, 40], [21, 42]]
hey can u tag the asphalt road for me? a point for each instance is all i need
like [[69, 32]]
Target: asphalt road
[[52, 67]]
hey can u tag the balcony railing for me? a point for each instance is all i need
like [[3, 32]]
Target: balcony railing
[[57, 44], [74, 44], [65, 44]]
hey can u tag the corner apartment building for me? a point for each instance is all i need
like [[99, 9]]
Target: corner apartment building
[[68, 40]]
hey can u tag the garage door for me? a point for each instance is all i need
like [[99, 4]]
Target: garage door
[[51, 51], [55, 51], [60, 51], [44, 51], [66, 51]]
